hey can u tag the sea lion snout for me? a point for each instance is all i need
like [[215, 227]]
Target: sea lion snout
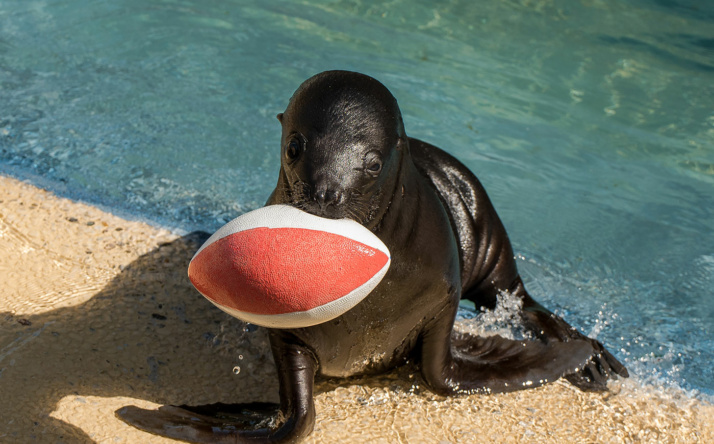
[[334, 203], [320, 191], [326, 196]]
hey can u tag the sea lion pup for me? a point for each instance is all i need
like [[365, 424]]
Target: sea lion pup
[[345, 154]]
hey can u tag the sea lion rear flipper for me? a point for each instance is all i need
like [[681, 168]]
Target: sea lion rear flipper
[[290, 421], [488, 264], [475, 364]]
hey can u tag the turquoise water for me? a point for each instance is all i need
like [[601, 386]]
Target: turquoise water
[[591, 124]]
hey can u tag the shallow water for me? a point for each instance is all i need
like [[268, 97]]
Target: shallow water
[[591, 125]]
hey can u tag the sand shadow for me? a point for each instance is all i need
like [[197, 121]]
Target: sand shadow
[[148, 334]]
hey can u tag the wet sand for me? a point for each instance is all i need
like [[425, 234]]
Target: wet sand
[[96, 313]]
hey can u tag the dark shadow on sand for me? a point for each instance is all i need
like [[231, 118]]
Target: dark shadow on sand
[[148, 335]]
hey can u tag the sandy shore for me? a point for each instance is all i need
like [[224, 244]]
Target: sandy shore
[[96, 313]]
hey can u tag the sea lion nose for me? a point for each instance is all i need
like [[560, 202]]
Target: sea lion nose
[[327, 196]]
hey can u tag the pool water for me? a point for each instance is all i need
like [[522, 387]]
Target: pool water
[[590, 123]]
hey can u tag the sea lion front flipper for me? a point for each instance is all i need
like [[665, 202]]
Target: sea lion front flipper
[[218, 422], [465, 364], [290, 421]]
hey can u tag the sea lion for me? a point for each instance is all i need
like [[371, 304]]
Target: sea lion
[[345, 154]]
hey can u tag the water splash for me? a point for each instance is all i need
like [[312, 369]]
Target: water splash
[[605, 317], [504, 320]]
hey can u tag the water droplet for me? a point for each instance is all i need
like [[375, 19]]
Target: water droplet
[[236, 370]]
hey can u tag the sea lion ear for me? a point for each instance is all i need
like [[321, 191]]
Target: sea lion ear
[[280, 117], [403, 144]]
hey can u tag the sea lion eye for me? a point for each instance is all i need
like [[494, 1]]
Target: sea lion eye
[[373, 164], [293, 149], [375, 167]]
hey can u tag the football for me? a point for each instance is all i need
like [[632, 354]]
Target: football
[[281, 267]]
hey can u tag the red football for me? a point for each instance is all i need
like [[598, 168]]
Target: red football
[[281, 267]]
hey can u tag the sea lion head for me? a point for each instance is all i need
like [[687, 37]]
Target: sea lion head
[[343, 143]]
